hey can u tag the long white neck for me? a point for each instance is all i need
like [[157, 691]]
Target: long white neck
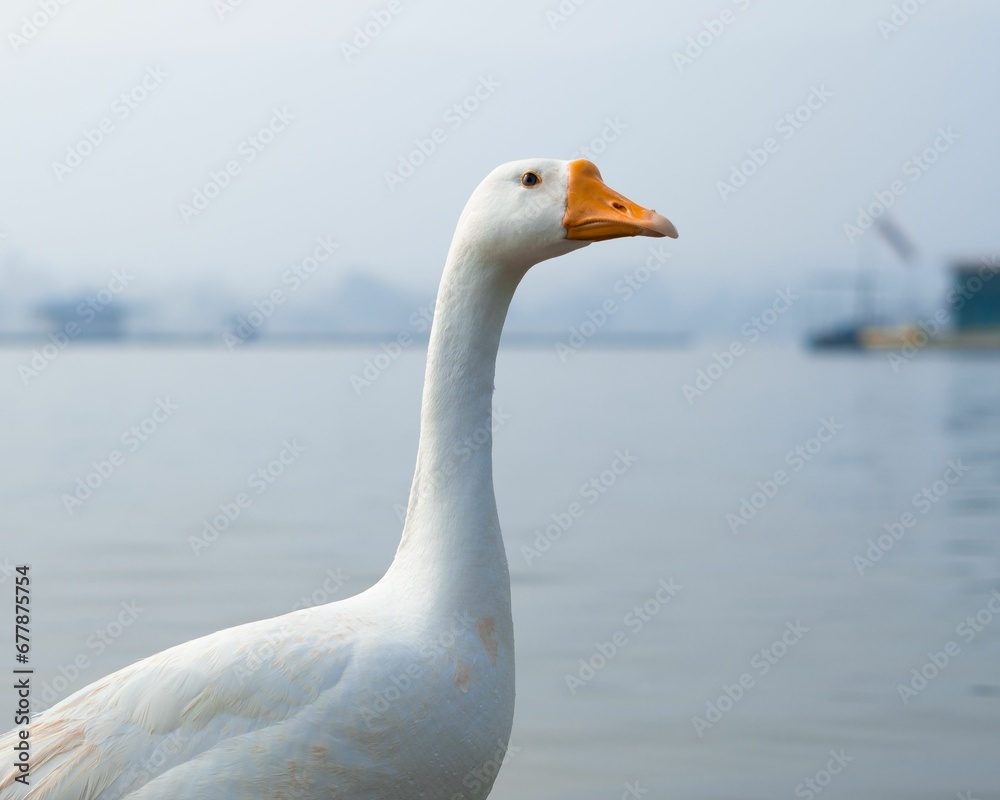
[[451, 542]]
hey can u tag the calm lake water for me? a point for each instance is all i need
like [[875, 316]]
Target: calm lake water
[[719, 609]]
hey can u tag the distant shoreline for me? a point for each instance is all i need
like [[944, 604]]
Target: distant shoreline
[[607, 340]]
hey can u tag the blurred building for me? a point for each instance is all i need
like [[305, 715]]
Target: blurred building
[[975, 296], [84, 318]]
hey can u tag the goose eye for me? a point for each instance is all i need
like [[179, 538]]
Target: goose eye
[[530, 179]]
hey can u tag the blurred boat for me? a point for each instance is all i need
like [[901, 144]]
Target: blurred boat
[[969, 318]]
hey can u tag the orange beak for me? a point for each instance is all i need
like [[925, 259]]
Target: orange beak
[[595, 212]]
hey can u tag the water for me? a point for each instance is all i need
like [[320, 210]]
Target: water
[[327, 528]]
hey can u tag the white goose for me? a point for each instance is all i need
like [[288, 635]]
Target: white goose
[[406, 690]]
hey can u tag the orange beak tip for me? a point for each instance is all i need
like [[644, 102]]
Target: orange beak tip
[[659, 225]]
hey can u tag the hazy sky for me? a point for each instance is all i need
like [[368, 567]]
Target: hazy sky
[[551, 77]]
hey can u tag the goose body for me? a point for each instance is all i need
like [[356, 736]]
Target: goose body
[[407, 689]]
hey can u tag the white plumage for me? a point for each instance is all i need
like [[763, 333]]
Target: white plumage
[[403, 691]]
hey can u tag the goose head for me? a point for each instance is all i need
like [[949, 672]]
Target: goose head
[[531, 210]]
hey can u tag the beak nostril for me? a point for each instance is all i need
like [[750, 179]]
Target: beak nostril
[[619, 206]]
